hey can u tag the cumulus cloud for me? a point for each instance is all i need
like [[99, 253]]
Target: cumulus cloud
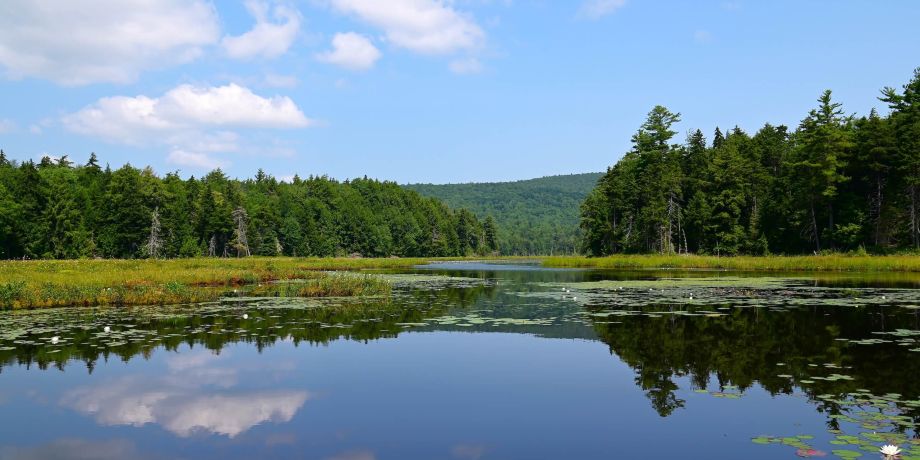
[[352, 51], [596, 9], [76, 43], [423, 26], [268, 38], [183, 402], [192, 121]]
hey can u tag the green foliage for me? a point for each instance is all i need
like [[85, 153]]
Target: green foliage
[[531, 217], [837, 183], [56, 210]]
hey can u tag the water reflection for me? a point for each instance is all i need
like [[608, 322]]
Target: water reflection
[[840, 358], [194, 396], [118, 449]]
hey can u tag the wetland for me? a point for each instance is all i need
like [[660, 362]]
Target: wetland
[[476, 361]]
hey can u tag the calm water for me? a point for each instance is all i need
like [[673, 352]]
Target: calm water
[[471, 361]]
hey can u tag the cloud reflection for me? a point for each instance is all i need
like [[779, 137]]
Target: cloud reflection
[[74, 449], [193, 397]]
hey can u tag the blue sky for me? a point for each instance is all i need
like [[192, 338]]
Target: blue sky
[[423, 90]]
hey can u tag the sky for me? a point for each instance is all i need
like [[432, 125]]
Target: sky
[[430, 91]]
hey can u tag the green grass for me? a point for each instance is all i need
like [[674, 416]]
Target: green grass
[[36, 284], [841, 262]]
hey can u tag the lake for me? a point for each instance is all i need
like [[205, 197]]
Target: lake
[[479, 361]]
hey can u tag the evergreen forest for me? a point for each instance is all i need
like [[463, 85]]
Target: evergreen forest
[[836, 182]]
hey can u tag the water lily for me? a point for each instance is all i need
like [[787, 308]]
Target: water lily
[[890, 451], [55, 339], [106, 329], [245, 316]]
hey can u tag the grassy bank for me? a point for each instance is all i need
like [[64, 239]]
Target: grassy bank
[[900, 263], [34, 284]]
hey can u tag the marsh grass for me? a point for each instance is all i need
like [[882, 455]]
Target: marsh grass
[[36, 284], [840, 262]]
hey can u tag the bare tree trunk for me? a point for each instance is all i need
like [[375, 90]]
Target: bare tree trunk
[[154, 241], [875, 209], [913, 215], [814, 226], [240, 241]]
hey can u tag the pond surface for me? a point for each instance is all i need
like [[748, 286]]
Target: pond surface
[[477, 361]]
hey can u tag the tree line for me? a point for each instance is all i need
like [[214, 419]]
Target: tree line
[[56, 209], [837, 182]]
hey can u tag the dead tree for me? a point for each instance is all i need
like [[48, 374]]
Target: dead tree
[[154, 242], [240, 242]]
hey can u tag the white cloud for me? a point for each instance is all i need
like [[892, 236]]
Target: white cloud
[[596, 9], [192, 121], [194, 159], [352, 51], [266, 39], [131, 120], [76, 43], [423, 26], [228, 105], [465, 66]]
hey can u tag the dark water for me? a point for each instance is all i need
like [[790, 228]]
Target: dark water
[[470, 361]]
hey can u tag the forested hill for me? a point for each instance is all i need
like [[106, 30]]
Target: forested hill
[[535, 216], [56, 209]]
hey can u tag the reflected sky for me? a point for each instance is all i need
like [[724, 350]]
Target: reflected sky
[[197, 394]]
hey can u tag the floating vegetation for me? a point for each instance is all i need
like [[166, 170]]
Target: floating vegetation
[[725, 392], [737, 292], [872, 420], [433, 282]]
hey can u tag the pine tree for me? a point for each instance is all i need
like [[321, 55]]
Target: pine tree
[[905, 118], [717, 139], [824, 142], [490, 234]]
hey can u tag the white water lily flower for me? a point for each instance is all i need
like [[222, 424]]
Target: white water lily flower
[[106, 329], [890, 450], [55, 339], [574, 298], [245, 316]]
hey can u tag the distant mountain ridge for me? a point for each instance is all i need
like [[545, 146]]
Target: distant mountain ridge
[[534, 216]]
